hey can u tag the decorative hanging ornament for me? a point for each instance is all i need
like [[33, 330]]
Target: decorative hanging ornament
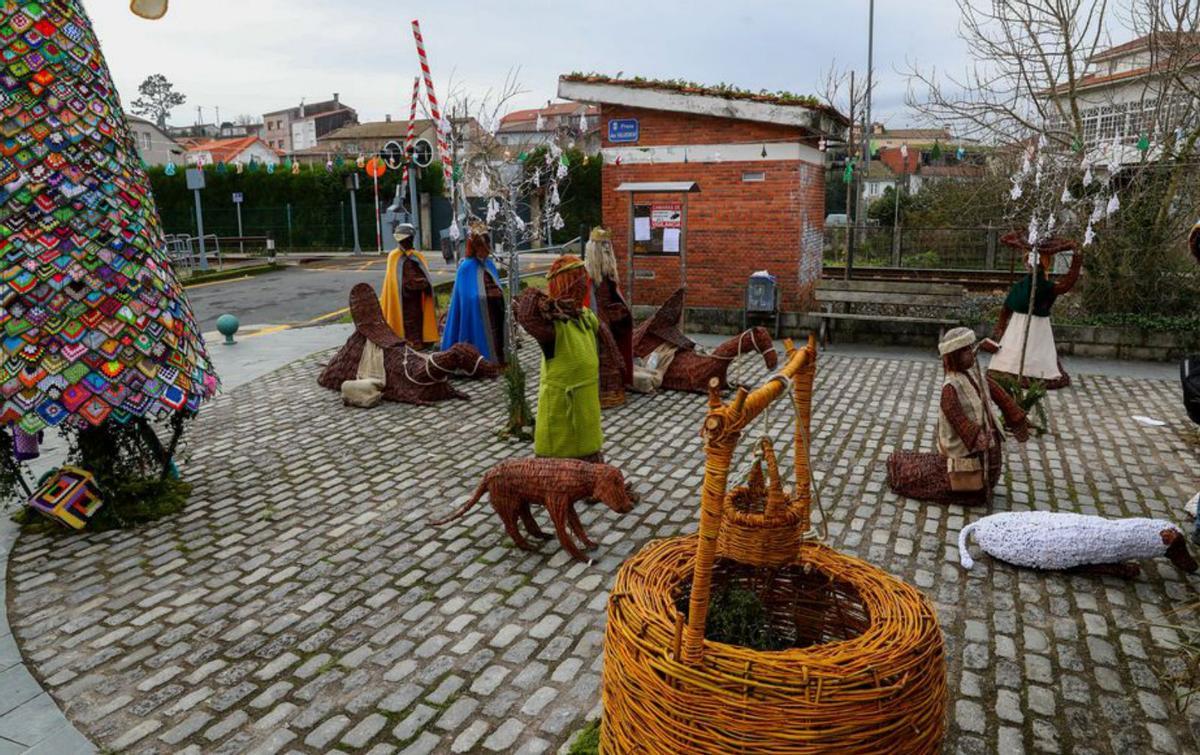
[[170, 169], [270, 169], [1114, 204], [1033, 235], [847, 174], [1076, 145], [555, 201], [339, 162], [221, 169], [561, 173], [522, 156], [583, 123], [455, 232], [1088, 178], [493, 209], [1143, 143], [960, 153], [904, 152], [295, 169], [540, 123], [1089, 235], [821, 145], [253, 167], [556, 222], [1066, 197], [329, 166], [1097, 211], [1015, 193], [239, 167]]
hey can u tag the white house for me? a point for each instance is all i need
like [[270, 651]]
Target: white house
[[154, 146], [244, 150], [1126, 94]]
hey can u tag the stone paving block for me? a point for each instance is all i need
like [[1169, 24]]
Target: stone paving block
[[453, 638]]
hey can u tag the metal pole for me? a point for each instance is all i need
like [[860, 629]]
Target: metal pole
[[241, 244], [342, 222], [850, 216], [866, 130], [289, 225], [683, 263], [896, 216], [413, 211], [200, 231], [378, 219], [354, 220], [629, 248], [584, 232]]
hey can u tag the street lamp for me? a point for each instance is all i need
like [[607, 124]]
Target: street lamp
[[352, 186]]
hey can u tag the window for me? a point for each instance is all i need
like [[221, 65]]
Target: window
[[147, 141], [754, 176]]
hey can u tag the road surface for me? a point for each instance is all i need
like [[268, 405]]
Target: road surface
[[301, 295]]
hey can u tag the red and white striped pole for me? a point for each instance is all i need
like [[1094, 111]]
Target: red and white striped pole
[[434, 109], [412, 128]]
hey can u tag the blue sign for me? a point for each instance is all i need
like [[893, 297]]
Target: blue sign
[[623, 130]]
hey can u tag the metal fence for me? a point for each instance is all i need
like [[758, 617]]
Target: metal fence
[[923, 248]]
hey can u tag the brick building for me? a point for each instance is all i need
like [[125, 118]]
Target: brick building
[[761, 180]]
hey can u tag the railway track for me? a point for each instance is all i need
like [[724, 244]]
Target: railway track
[[973, 280]]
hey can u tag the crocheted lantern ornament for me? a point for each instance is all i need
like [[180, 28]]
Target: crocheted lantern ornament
[[95, 324]]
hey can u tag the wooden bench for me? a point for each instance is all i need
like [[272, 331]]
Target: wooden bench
[[832, 294]]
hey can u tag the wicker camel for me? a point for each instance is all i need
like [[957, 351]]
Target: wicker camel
[[413, 377], [689, 369]]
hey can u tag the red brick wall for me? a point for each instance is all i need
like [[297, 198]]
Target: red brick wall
[[734, 228]]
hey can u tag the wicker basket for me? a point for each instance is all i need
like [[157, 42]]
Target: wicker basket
[[761, 524], [862, 666]]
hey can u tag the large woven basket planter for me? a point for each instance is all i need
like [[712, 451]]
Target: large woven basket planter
[[871, 679], [857, 663]]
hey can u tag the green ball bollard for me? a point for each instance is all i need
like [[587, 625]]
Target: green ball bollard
[[227, 325]]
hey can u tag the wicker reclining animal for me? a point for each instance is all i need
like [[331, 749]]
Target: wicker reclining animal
[[1075, 542], [514, 485], [690, 370], [412, 377]]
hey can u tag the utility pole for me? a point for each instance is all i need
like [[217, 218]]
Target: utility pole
[[866, 130], [849, 188]]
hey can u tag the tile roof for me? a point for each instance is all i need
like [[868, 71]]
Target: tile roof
[[225, 150], [395, 129], [952, 171], [1184, 39]]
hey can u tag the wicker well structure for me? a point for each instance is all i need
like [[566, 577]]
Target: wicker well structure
[[862, 667]]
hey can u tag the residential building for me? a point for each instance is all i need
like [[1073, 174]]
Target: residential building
[[758, 201], [154, 146], [1130, 91], [195, 131], [297, 128], [369, 139], [561, 122], [877, 181], [244, 150], [232, 130]]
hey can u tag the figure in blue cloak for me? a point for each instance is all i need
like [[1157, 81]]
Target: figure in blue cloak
[[477, 305]]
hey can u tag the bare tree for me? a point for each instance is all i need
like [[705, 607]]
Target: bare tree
[[1042, 86]]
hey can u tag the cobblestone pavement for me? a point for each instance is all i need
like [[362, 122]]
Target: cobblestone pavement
[[302, 603]]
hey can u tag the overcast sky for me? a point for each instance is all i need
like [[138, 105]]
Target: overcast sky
[[255, 56]]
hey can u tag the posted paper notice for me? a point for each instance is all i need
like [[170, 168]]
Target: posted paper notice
[[670, 239], [641, 229]]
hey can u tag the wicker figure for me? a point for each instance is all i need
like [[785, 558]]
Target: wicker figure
[[476, 313], [409, 376], [570, 338], [609, 304], [408, 301], [1034, 356], [690, 370], [968, 433], [513, 486], [1194, 241], [859, 666]]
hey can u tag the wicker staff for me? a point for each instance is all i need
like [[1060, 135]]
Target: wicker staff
[[722, 429]]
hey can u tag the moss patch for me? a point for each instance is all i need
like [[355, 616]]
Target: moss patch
[[587, 741]]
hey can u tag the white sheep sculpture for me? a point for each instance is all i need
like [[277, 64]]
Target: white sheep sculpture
[[1078, 542]]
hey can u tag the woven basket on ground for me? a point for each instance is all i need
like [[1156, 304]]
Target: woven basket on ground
[[862, 664]]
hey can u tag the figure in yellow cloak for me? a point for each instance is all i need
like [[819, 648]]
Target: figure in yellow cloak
[[407, 299]]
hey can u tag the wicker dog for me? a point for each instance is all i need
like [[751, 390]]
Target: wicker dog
[[513, 485]]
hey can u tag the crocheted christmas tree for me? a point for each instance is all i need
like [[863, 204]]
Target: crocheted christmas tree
[[95, 325]]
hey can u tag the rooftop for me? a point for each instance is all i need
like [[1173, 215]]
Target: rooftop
[[224, 150], [394, 129], [722, 101]]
